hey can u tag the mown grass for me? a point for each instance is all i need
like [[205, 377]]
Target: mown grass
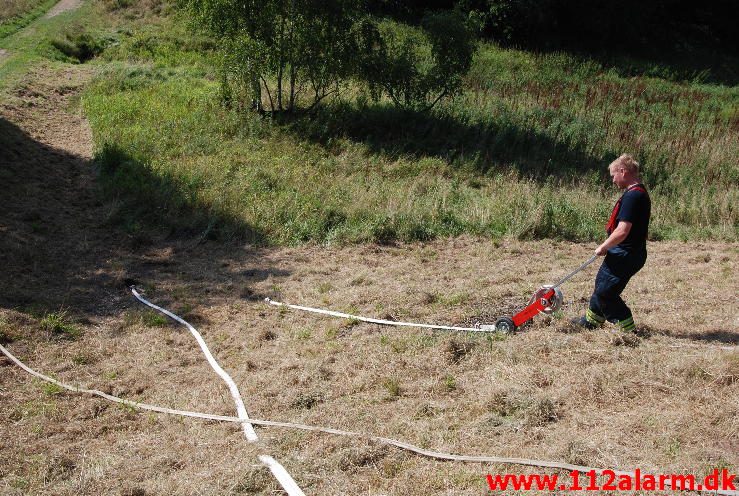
[[522, 152], [17, 14], [38, 44]]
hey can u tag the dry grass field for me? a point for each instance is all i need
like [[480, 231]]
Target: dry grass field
[[665, 403]]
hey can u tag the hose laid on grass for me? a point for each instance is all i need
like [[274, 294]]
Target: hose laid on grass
[[287, 482], [483, 328], [240, 408], [701, 346], [399, 444]]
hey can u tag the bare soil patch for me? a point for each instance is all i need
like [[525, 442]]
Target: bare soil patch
[[63, 6], [665, 403]]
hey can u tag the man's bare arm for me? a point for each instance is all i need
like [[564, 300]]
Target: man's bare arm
[[618, 235]]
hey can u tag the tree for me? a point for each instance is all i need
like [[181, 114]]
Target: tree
[[301, 51], [416, 68], [286, 49]]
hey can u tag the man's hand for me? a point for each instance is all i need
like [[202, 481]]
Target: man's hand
[[619, 234]]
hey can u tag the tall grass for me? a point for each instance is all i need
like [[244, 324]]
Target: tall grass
[[16, 14], [35, 46], [687, 129], [521, 153]]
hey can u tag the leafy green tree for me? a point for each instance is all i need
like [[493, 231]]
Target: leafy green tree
[[282, 49], [416, 68], [298, 52]]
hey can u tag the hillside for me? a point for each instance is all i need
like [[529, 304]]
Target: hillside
[[70, 243]]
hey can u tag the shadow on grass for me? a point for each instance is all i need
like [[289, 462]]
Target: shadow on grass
[[714, 336], [62, 248], [706, 67], [490, 146], [152, 199]]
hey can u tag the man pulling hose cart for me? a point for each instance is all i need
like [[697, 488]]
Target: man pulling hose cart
[[625, 249]]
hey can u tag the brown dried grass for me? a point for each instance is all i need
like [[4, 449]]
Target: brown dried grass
[[666, 405], [545, 393]]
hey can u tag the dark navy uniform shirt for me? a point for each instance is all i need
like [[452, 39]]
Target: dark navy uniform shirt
[[636, 207]]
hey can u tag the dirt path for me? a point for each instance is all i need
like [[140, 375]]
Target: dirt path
[[63, 6], [665, 404], [55, 242]]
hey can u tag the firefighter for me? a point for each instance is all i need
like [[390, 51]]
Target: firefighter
[[625, 249]]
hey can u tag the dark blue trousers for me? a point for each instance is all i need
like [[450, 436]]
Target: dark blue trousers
[[617, 268]]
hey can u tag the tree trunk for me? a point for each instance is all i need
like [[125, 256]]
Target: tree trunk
[[269, 95], [291, 104], [257, 99], [281, 63]]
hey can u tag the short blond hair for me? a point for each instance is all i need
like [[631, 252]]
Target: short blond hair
[[627, 162]]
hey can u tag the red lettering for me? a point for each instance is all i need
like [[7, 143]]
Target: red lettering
[[711, 481], [575, 479], [683, 479], [608, 486], [650, 484], [498, 481], [662, 479], [524, 482], [593, 486], [727, 482], [624, 483]]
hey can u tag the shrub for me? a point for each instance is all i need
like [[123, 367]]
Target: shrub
[[78, 47], [275, 49], [416, 68]]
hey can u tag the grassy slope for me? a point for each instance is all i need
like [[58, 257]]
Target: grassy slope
[[521, 153], [15, 8], [15, 15], [32, 47], [546, 393]]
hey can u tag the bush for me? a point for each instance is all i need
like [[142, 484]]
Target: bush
[[78, 47], [284, 52], [416, 68]]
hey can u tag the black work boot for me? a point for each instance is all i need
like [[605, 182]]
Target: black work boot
[[583, 323]]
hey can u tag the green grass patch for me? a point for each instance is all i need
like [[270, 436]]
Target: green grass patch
[[34, 46], [76, 47], [302, 334], [521, 153], [147, 318], [392, 387], [82, 359], [49, 388], [35, 409], [8, 332], [17, 14], [58, 324]]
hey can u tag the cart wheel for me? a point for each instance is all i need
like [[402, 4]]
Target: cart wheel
[[505, 325]]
